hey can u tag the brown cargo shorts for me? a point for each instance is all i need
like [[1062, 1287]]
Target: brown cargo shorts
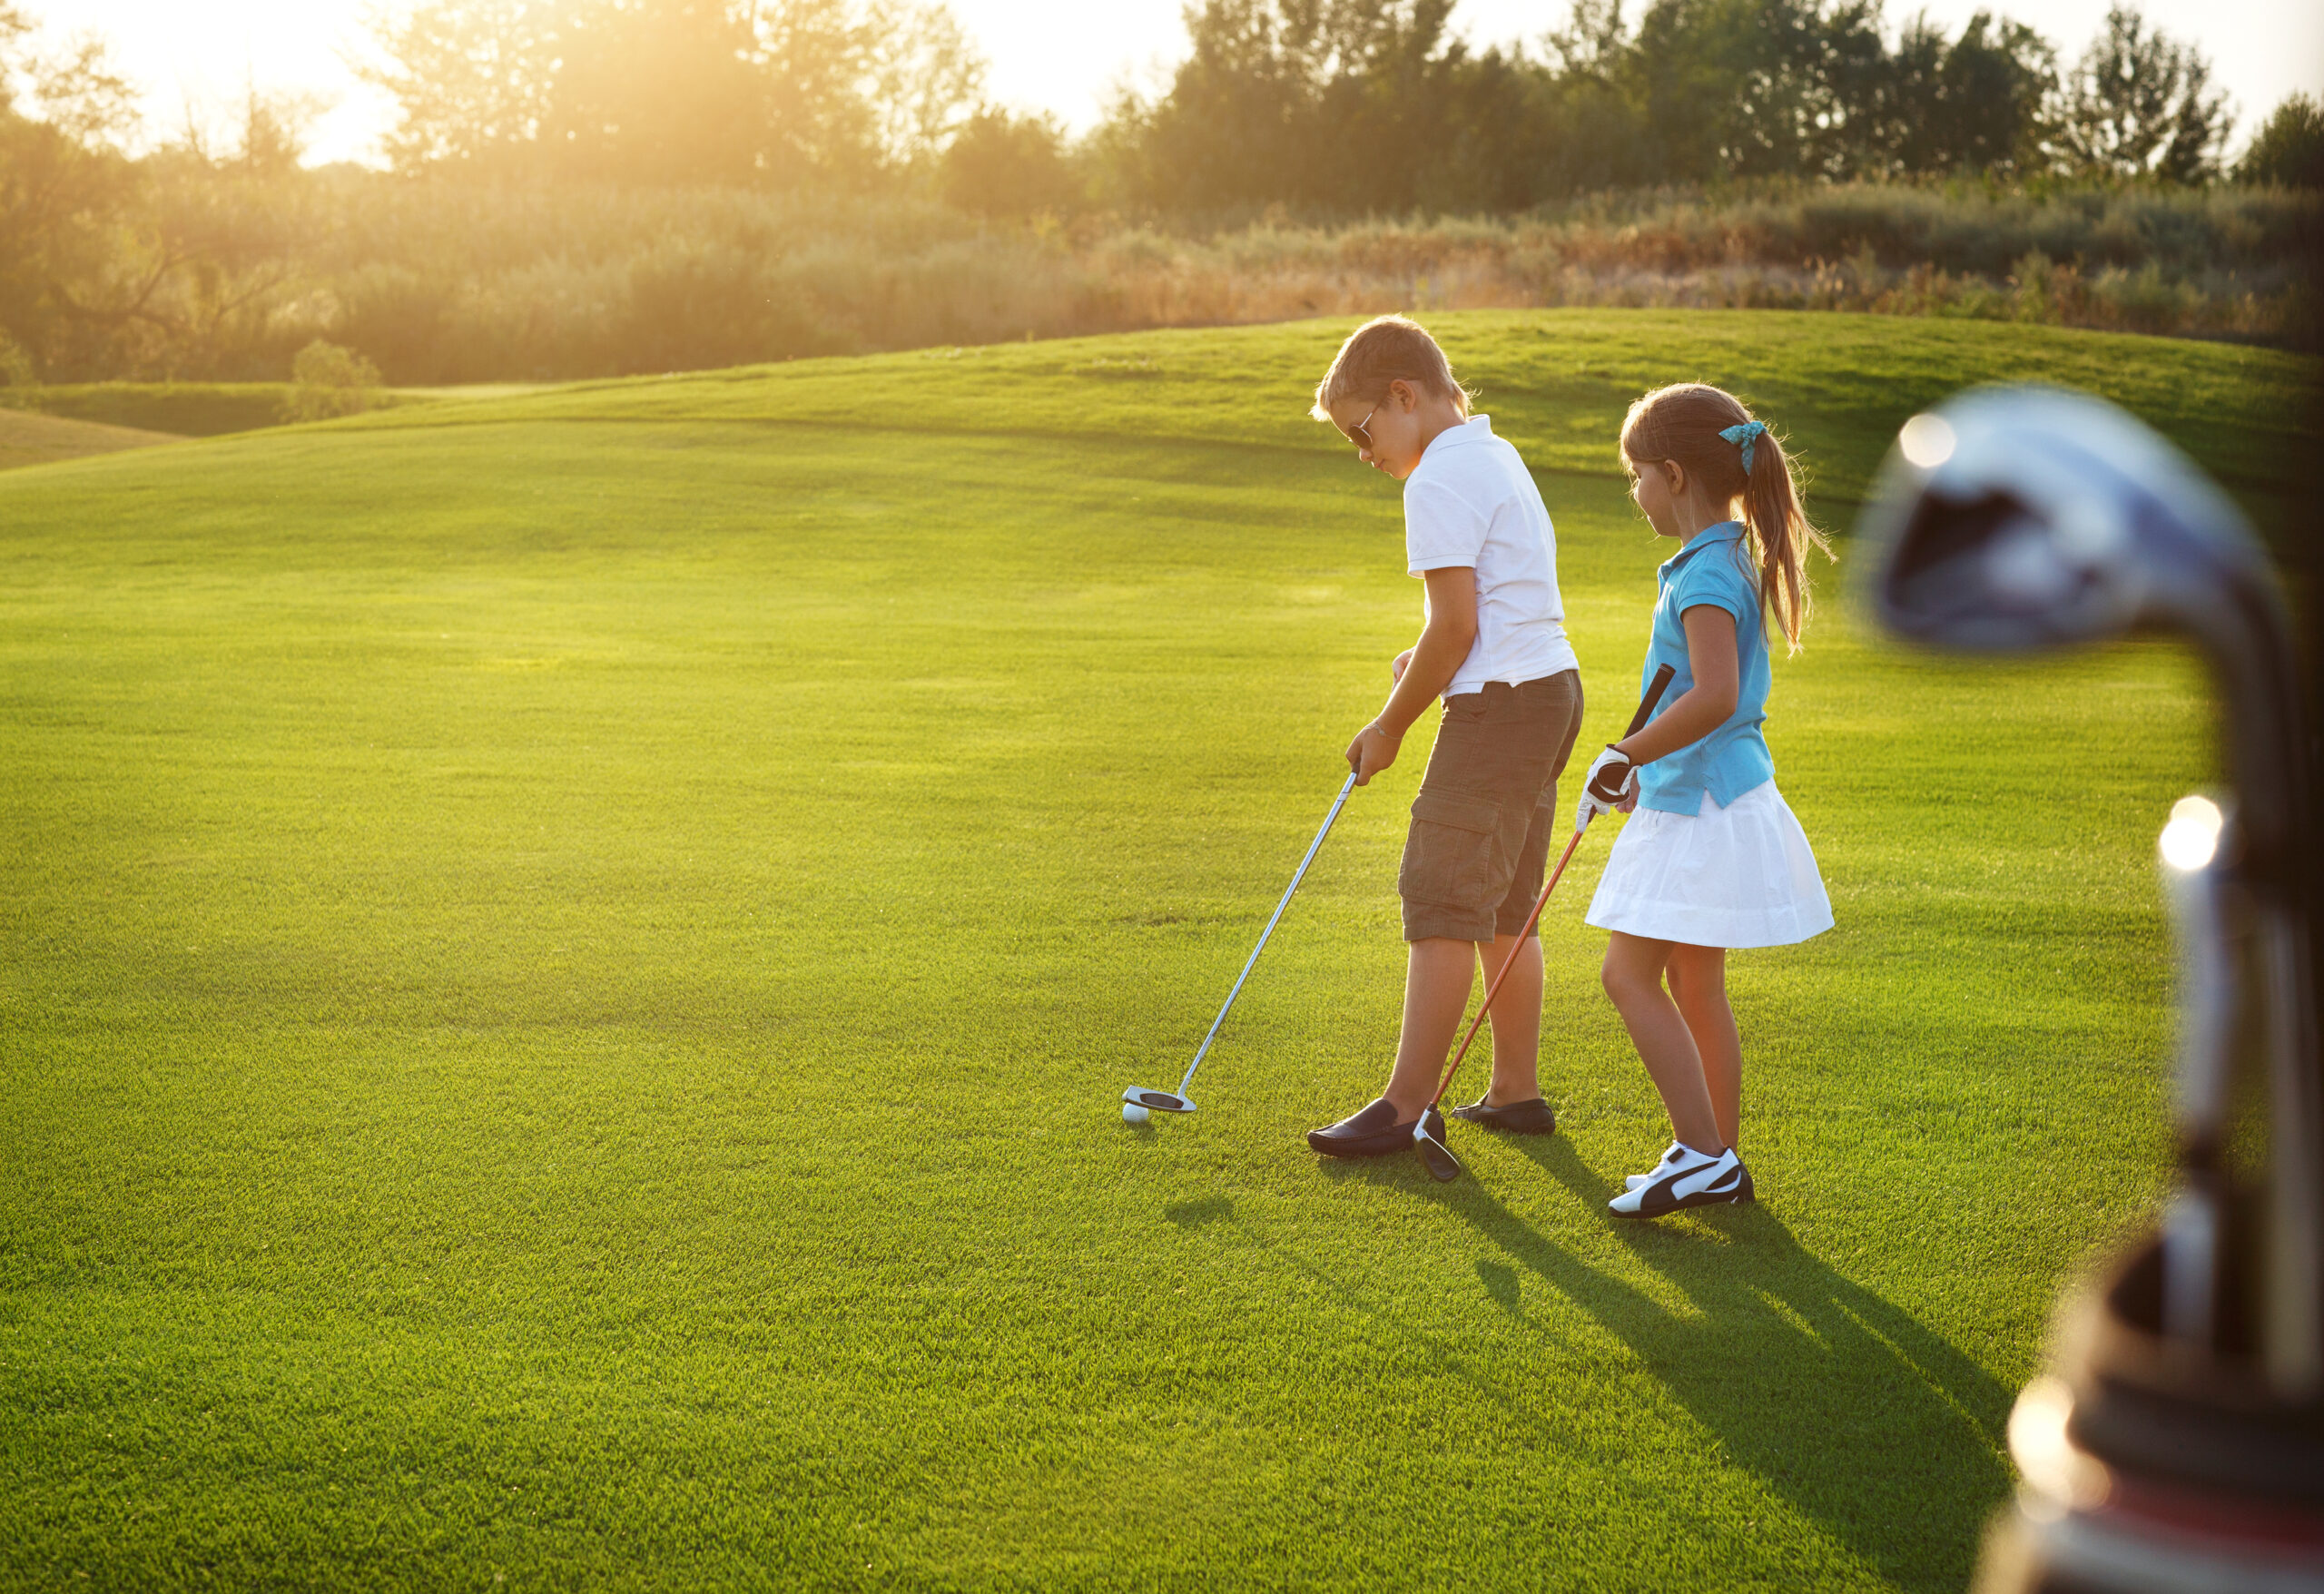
[[1487, 808]]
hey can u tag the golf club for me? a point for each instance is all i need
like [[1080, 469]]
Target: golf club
[[1179, 1101], [2178, 1441], [1435, 1153]]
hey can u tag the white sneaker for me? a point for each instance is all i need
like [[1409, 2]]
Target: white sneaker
[[1632, 1181], [1684, 1178], [1678, 1154]]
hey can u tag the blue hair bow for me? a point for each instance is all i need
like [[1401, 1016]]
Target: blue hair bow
[[1743, 435]]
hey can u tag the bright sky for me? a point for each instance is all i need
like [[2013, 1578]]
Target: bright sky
[[1046, 54]]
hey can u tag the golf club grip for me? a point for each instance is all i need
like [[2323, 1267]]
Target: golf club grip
[[1654, 691]]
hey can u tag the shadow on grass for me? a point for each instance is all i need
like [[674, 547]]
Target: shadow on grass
[[1193, 1214], [1870, 1423]]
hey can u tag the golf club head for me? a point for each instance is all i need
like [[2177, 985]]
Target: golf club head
[[2019, 519], [2024, 520], [1158, 1101], [1442, 1166]]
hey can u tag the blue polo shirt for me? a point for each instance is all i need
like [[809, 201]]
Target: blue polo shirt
[[1713, 568]]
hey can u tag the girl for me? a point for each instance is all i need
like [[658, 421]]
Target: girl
[[1712, 859]]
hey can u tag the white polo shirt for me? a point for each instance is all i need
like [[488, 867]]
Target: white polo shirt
[[1472, 502]]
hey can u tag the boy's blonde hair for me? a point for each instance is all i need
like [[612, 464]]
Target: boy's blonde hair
[[1384, 349]]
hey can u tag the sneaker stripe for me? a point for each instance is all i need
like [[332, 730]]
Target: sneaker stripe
[[1708, 1182]]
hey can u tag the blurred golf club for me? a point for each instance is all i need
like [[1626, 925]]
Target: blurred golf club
[[2177, 1441]]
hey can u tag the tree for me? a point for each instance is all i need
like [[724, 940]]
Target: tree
[[927, 80], [75, 276], [2289, 148], [77, 92], [1232, 128], [1338, 103], [2140, 105], [1592, 123], [657, 93], [1009, 166], [815, 58], [1971, 105], [269, 134], [1733, 88], [675, 92], [472, 79]]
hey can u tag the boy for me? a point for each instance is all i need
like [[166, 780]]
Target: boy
[[1495, 648]]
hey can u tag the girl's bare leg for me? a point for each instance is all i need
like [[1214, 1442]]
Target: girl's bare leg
[[1698, 982], [1516, 1019], [1633, 977]]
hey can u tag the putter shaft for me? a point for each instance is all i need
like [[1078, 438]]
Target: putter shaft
[[1313, 848]]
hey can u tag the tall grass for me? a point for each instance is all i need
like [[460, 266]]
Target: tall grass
[[438, 282]]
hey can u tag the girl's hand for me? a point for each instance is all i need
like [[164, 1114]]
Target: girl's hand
[[1610, 784], [1373, 750], [1396, 666]]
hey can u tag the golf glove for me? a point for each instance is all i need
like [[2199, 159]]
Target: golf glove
[[1612, 782]]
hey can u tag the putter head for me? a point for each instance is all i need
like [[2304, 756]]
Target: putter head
[[1442, 1166], [1158, 1101]]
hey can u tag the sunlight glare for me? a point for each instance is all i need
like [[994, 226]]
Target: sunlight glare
[[2191, 838], [1926, 441]]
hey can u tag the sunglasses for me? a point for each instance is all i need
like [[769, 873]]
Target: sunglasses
[[1362, 429]]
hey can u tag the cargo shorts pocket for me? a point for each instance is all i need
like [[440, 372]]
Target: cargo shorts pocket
[[1448, 852]]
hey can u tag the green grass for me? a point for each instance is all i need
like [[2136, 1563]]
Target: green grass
[[564, 966], [189, 409], [26, 438]]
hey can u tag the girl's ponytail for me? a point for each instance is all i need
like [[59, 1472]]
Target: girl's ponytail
[[1708, 432], [1781, 535]]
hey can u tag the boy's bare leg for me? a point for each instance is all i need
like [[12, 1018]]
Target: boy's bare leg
[[1698, 983], [1516, 1019], [1633, 977], [1438, 975]]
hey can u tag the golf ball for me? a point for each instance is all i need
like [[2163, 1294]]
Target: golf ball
[[1132, 1113]]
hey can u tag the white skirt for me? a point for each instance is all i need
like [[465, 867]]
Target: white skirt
[[1738, 876]]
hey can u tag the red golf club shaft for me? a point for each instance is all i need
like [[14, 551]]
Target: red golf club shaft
[[1646, 707], [1507, 963]]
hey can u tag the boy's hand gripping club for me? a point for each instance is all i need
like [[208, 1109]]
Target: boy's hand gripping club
[[1439, 1157]]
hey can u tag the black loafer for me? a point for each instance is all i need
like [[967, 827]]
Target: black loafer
[[1519, 1117], [1371, 1131]]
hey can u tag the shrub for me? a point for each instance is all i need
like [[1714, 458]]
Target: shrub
[[16, 372], [327, 380], [441, 281]]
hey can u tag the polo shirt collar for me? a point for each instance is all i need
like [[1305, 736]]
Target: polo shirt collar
[[1726, 531], [1475, 430]]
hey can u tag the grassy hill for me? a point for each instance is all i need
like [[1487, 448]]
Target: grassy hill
[[205, 410], [1556, 383], [566, 963], [26, 438]]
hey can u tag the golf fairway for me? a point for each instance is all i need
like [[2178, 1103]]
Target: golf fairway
[[568, 964]]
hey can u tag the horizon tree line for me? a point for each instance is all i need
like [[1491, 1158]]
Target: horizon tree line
[[1325, 107], [215, 251]]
